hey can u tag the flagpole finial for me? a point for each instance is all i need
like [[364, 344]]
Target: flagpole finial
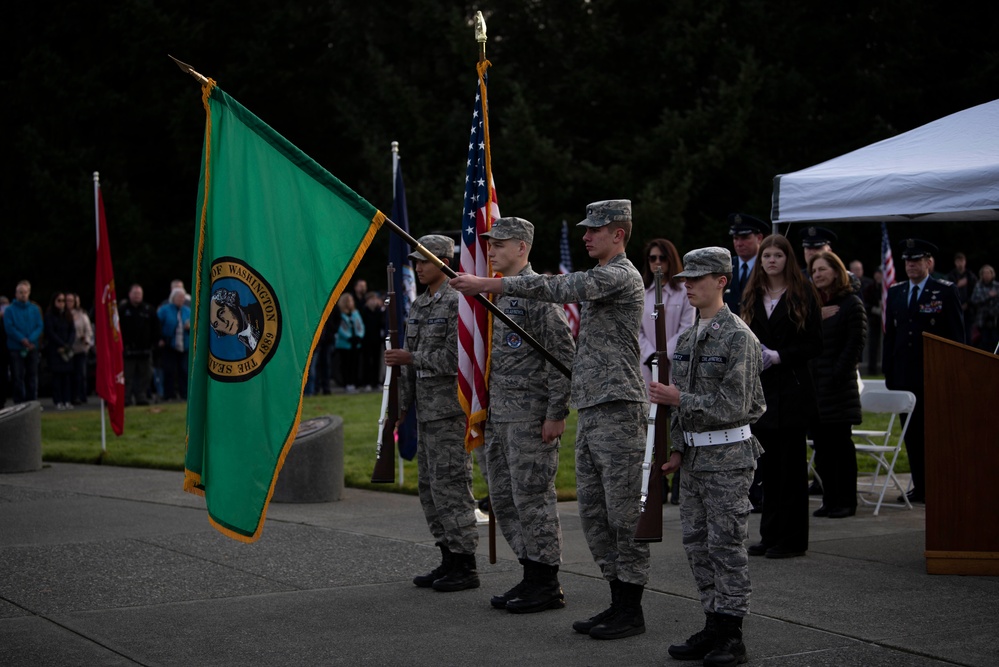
[[395, 147], [97, 176], [190, 70], [480, 34]]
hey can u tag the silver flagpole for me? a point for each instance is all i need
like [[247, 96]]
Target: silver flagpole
[[97, 227], [395, 172]]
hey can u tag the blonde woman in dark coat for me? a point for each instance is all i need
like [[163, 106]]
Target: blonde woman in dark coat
[[844, 333]]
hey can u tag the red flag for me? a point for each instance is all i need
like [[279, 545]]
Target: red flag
[[479, 211], [107, 332]]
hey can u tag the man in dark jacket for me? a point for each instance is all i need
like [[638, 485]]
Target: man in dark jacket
[[139, 334], [964, 280]]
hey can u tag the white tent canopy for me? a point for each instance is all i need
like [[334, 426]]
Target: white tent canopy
[[944, 170]]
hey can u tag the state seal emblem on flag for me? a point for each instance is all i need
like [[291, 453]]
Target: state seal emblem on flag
[[246, 320]]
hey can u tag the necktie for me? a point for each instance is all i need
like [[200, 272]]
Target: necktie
[[913, 298], [743, 277]]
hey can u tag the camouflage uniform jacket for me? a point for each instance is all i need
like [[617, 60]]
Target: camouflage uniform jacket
[[606, 367], [718, 376], [523, 386], [432, 338]]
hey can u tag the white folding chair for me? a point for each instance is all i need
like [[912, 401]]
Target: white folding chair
[[872, 385], [884, 446], [810, 448]]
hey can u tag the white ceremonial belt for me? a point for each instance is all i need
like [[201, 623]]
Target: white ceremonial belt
[[724, 436]]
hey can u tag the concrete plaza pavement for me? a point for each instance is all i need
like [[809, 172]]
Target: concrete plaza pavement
[[104, 565]]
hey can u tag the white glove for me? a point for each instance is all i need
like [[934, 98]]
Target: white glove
[[770, 357]]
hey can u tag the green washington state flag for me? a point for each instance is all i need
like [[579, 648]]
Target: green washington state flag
[[278, 237]]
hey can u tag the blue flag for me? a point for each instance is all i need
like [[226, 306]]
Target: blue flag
[[405, 294]]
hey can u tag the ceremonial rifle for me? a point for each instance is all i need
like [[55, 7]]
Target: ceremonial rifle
[[385, 454], [650, 519]]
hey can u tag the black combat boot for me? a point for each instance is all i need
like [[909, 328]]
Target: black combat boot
[[584, 627], [698, 644], [499, 601], [461, 576], [427, 580], [542, 591], [728, 650], [629, 619]]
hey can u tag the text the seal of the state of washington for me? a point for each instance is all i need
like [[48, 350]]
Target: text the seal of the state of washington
[[245, 317]]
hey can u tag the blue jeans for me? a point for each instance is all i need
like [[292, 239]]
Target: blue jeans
[[310, 383], [24, 375]]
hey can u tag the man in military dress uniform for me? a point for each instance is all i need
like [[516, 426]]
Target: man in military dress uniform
[[609, 394], [429, 382], [747, 232], [920, 304], [815, 240], [717, 394], [528, 404]]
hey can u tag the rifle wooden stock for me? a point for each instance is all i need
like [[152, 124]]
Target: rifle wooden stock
[[650, 519], [384, 472]]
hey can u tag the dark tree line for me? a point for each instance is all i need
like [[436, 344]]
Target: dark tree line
[[688, 108]]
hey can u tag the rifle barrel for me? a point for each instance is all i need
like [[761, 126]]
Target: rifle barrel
[[450, 273], [384, 472]]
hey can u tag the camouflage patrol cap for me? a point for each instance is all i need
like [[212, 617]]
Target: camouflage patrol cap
[[704, 261], [511, 228], [441, 246], [601, 213]]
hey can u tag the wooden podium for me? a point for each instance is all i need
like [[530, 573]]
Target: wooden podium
[[962, 458]]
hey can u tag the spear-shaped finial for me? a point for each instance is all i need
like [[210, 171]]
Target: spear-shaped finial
[[480, 34], [190, 70]]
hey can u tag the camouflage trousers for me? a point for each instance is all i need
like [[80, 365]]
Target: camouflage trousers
[[444, 469], [610, 447], [714, 514], [522, 489]]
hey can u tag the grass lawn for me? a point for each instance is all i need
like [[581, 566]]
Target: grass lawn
[[154, 438]]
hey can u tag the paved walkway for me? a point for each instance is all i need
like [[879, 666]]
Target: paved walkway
[[117, 566]]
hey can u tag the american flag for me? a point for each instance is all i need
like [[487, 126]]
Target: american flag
[[479, 211], [887, 273], [565, 266]]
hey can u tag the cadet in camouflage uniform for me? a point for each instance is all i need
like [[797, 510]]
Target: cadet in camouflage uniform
[[717, 394], [429, 379], [609, 393], [528, 404]]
